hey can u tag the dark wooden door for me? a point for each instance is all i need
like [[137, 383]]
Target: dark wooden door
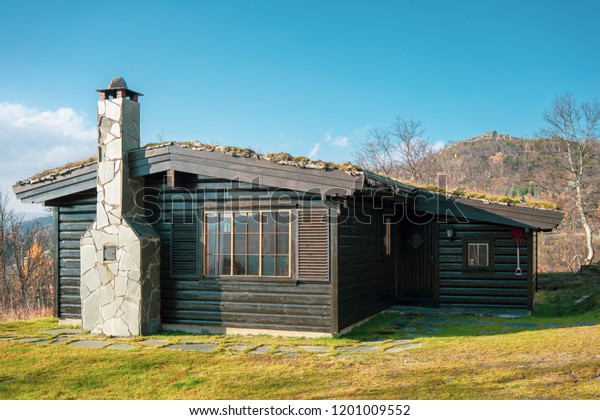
[[417, 273]]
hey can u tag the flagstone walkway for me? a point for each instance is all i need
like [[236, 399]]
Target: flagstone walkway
[[410, 327], [75, 338]]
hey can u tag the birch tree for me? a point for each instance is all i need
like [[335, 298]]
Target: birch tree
[[572, 159]]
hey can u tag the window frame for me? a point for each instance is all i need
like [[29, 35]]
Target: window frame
[[231, 212], [489, 244]]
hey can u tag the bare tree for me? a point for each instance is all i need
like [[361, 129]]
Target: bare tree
[[5, 216], [400, 151], [26, 268], [378, 153], [570, 130]]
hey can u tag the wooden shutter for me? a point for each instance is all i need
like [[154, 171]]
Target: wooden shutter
[[313, 245], [184, 245]]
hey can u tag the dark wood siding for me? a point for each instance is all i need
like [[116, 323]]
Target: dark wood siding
[[75, 215], [366, 284], [250, 302], [498, 287]]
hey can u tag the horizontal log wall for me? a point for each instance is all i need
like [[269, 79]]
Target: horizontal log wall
[[75, 215], [251, 302], [366, 284], [495, 288]]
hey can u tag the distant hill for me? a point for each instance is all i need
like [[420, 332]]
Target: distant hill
[[494, 163], [37, 222]]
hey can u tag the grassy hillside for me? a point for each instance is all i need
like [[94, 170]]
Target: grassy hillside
[[493, 163]]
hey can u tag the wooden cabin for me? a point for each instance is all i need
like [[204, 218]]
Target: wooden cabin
[[201, 238]]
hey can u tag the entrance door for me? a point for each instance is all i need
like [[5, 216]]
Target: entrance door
[[417, 280]]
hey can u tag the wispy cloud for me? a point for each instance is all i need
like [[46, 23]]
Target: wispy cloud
[[313, 152], [362, 133], [33, 140], [340, 141]]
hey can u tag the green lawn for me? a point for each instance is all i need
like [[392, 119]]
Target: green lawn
[[489, 360]]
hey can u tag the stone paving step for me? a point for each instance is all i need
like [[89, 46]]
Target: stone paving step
[[403, 347], [194, 347], [237, 347], [314, 349], [92, 344], [61, 339], [358, 349], [261, 350], [29, 339]]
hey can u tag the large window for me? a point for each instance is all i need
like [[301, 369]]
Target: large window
[[247, 243]]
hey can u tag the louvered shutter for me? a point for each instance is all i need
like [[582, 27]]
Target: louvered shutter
[[184, 246], [313, 245]]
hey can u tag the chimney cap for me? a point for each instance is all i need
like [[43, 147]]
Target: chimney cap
[[118, 83]]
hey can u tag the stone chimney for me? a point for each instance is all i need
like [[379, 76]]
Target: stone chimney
[[120, 253]]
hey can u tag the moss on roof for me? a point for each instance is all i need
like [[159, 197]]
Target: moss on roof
[[287, 159], [492, 198], [281, 158], [50, 174]]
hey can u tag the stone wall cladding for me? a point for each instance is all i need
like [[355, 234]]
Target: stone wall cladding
[[121, 297]]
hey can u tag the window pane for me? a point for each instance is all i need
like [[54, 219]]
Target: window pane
[[472, 254], [252, 265], [268, 223], [268, 244], [239, 244], [239, 222], [225, 225], [211, 265], [211, 244], [283, 244], [283, 220], [225, 265], [254, 244], [239, 265], [283, 266], [483, 255], [253, 222], [268, 265], [225, 244], [212, 223]]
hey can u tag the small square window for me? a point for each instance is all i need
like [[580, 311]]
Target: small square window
[[479, 255], [110, 253]]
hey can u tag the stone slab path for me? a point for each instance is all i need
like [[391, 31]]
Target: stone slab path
[[410, 327]]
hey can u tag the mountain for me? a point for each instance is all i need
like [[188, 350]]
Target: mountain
[[39, 222], [494, 163]]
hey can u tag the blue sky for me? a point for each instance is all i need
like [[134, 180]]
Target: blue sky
[[306, 77]]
